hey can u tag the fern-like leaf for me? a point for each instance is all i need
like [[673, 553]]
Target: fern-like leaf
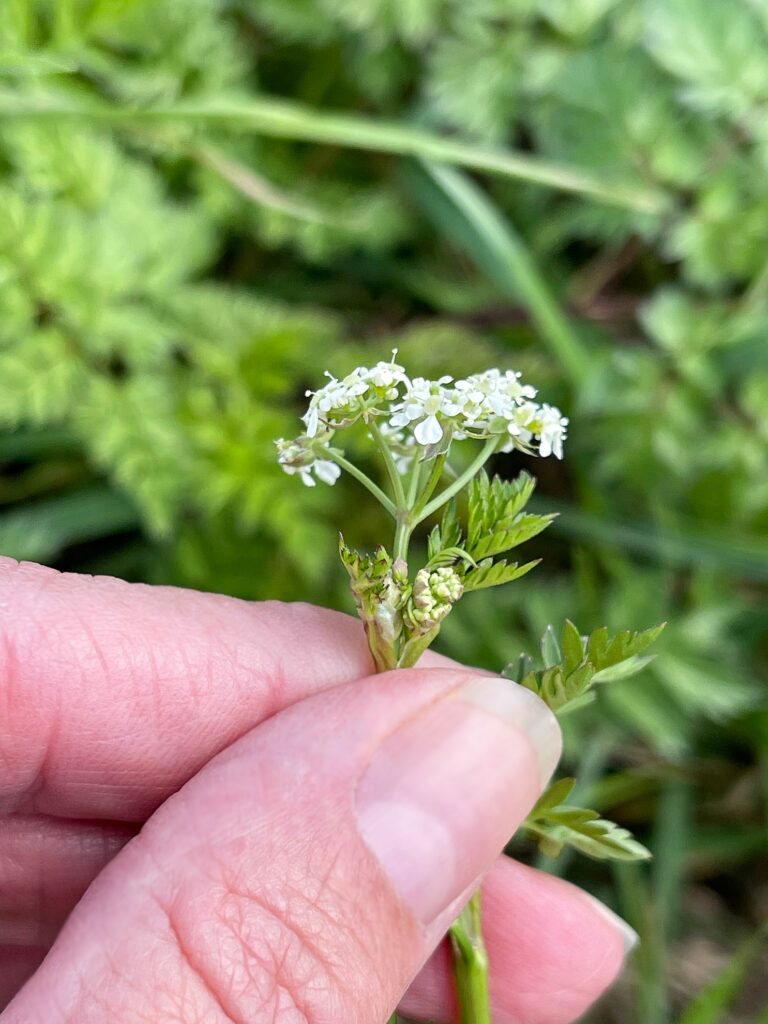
[[555, 824], [493, 574]]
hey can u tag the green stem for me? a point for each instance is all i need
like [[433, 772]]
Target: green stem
[[413, 483], [402, 539], [470, 965], [284, 120], [461, 481], [406, 520], [360, 476], [389, 462], [434, 479]]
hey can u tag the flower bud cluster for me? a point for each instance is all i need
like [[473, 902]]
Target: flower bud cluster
[[434, 593], [420, 417]]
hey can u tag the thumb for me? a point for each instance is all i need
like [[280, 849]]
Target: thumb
[[306, 873]]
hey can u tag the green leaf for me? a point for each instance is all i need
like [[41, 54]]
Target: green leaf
[[572, 646], [553, 796], [494, 505], [517, 670], [623, 670], [723, 60], [493, 574], [566, 681], [553, 687], [510, 533], [586, 832], [550, 648], [605, 652]]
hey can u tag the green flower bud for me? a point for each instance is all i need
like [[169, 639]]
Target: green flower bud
[[434, 594]]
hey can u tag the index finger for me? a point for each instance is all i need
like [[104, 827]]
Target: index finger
[[113, 694]]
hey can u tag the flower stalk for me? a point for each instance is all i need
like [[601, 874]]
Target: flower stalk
[[470, 962]]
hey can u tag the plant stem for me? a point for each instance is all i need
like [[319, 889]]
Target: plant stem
[[461, 481], [285, 120], [402, 538], [434, 479], [470, 965], [360, 476], [406, 521], [389, 462], [413, 483]]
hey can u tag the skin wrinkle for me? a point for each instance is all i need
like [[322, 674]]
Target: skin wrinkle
[[275, 967], [25, 793], [305, 940], [195, 968]]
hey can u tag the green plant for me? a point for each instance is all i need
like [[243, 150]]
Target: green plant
[[415, 426]]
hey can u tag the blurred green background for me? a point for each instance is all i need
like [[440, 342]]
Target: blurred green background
[[204, 204]]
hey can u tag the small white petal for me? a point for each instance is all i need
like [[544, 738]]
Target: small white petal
[[312, 420], [326, 471], [400, 419], [428, 431]]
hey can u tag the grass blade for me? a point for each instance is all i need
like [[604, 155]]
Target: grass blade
[[464, 213], [286, 120], [40, 531]]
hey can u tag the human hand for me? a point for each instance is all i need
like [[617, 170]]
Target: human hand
[[307, 832]]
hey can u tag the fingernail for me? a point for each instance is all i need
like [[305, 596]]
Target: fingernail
[[444, 793], [629, 936], [523, 710]]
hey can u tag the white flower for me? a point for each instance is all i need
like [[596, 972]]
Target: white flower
[[385, 375], [551, 429], [423, 401], [493, 393], [337, 396]]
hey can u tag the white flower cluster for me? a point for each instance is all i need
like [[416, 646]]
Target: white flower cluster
[[419, 416]]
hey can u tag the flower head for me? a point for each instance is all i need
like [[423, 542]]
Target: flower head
[[340, 402], [421, 418]]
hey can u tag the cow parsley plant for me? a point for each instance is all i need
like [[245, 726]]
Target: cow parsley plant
[[434, 438]]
